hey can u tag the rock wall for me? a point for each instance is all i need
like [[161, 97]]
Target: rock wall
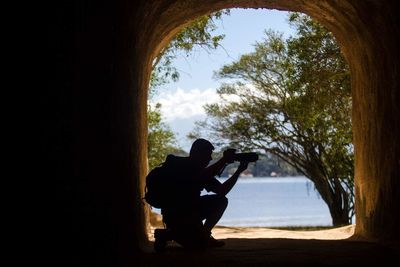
[[368, 34], [94, 136]]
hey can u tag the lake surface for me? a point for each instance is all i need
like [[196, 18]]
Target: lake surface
[[279, 201], [288, 201]]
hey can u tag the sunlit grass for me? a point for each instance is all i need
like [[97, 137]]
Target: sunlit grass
[[302, 228]]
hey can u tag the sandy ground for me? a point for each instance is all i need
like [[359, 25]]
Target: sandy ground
[[225, 232], [221, 232]]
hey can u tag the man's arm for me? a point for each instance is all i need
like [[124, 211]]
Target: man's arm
[[216, 168], [224, 188]]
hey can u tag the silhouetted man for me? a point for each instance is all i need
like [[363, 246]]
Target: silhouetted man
[[187, 209]]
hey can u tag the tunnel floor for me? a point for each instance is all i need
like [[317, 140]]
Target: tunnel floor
[[279, 252]]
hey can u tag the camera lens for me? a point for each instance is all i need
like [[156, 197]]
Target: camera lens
[[248, 157]]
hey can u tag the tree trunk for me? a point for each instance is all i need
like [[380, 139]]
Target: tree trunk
[[339, 216], [334, 199]]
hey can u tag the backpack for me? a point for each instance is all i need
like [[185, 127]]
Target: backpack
[[157, 185]]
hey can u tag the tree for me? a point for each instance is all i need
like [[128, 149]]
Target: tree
[[161, 140], [292, 98], [197, 35]]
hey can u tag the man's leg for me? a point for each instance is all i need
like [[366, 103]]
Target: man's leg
[[186, 227], [211, 209]]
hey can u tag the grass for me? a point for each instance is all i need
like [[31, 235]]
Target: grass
[[302, 228], [288, 228]]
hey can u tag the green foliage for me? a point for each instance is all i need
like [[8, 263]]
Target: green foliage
[[161, 140], [292, 98], [198, 34]]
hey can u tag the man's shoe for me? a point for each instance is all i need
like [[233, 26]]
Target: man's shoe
[[214, 243], [161, 237]]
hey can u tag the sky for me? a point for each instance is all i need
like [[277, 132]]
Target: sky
[[182, 101]]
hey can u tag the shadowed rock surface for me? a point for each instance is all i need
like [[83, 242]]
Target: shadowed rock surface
[[259, 246], [280, 252]]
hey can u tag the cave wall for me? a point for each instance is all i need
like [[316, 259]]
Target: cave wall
[[95, 133], [370, 44]]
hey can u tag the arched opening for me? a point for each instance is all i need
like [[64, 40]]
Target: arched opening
[[258, 212], [354, 35]]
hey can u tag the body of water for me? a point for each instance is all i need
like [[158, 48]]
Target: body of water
[[288, 201], [279, 201]]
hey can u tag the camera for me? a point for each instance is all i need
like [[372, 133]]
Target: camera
[[246, 157]]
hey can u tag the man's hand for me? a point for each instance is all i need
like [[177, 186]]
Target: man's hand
[[243, 166], [229, 155], [226, 186]]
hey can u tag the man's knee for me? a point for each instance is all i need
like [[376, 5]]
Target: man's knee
[[212, 203]]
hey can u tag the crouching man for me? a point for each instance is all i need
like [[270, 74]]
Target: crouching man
[[190, 217]]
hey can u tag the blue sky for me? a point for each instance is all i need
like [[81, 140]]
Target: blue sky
[[182, 101]]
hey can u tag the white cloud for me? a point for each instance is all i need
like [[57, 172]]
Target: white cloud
[[183, 104]]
